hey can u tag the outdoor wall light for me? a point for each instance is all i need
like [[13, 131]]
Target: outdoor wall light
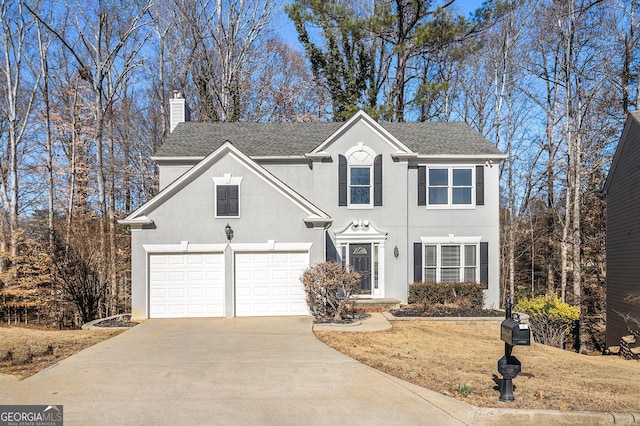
[[396, 252], [229, 232]]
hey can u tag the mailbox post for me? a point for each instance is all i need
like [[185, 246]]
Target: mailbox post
[[513, 333]]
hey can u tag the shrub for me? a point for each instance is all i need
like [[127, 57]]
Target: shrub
[[468, 294], [329, 287], [551, 320]]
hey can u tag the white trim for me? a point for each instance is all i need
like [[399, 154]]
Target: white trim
[[361, 231], [179, 159], [267, 246], [184, 247], [226, 180], [322, 155], [451, 239], [137, 223], [482, 157], [227, 149], [318, 222], [372, 124]]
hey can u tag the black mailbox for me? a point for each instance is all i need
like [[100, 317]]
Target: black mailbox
[[515, 333]]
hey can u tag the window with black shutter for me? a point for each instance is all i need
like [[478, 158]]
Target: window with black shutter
[[227, 200]]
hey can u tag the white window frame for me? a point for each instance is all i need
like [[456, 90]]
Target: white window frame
[[451, 241], [360, 156], [450, 187], [226, 179]]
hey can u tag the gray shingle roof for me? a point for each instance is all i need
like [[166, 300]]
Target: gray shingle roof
[[294, 139]]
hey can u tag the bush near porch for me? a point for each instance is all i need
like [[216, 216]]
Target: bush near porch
[[330, 287], [463, 295]]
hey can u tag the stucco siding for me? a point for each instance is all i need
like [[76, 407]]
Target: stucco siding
[[188, 215], [184, 211]]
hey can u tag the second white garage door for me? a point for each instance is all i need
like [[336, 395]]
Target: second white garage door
[[268, 283]]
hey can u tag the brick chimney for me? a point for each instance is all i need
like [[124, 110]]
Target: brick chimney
[[178, 110]]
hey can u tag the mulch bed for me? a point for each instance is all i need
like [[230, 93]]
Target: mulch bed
[[347, 319], [445, 311], [121, 321]]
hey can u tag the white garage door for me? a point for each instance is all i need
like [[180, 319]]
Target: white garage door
[[268, 283], [186, 285]]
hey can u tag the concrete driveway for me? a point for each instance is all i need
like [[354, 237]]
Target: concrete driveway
[[240, 371]]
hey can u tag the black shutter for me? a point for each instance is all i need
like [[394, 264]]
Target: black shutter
[[484, 264], [221, 201], [377, 180], [417, 262], [422, 185], [331, 253], [342, 180], [232, 201], [227, 200], [479, 185]]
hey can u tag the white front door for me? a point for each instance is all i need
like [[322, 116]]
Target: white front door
[[268, 283], [184, 285]]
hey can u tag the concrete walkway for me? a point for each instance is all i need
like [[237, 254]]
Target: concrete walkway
[[241, 371]]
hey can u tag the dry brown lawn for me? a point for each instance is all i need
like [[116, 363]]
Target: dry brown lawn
[[449, 361], [25, 351]]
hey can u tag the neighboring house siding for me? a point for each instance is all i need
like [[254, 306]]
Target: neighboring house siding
[[623, 235]]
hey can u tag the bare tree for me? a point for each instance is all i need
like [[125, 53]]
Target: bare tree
[[220, 43], [106, 48], [19, 96]]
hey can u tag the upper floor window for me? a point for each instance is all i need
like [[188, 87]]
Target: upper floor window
[[227, 196], [360, 178], [360, 185]]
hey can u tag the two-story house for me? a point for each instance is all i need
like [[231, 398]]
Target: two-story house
[[245, 208]]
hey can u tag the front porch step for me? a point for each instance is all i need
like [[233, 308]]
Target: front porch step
[[376, 305]]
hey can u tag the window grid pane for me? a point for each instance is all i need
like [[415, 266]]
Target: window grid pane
[[450, 256], [430, 275], [430, 256], [438, 177], [461, 196], [360, 176], [470, 255], [450, 275], [462, 177], [360, 195], [439, 186], [470, 274], [438, 196]]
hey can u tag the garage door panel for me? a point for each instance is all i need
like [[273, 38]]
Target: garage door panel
[[176, 276], [195, 275], [186, 285], [281, 290], [176, 292], [269, 283]]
